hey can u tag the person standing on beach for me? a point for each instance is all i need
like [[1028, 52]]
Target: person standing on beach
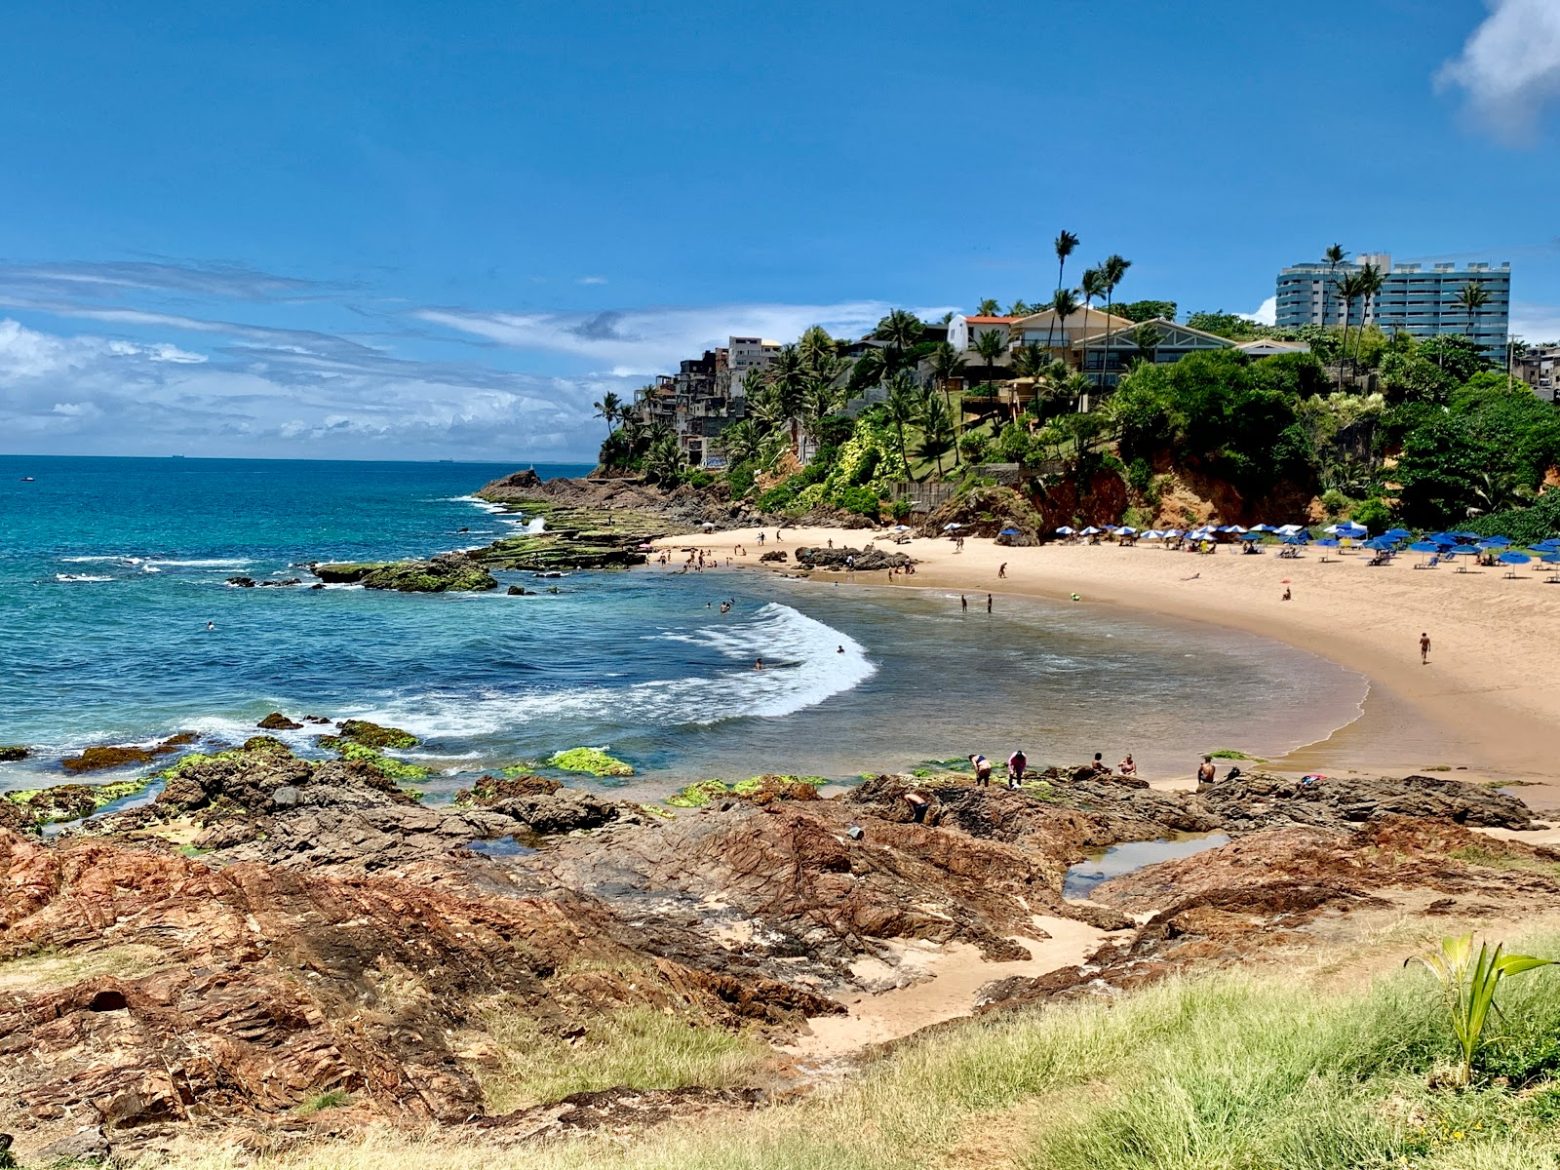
[[1424, 649], [964, 604], [988, 603], [1016, 764]]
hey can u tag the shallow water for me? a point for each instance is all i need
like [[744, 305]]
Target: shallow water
[[1131, 856], [642, 662]]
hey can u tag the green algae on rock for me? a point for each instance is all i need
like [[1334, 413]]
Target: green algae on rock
[[11, 752], [71, 802], [761, 789], [370, 735], [446, 573], [591, 761]]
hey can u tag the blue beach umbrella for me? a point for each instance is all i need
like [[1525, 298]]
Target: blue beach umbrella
[[1462, 550], [1248, 537], [1064, 531], [1126, 530], [1328, 542], [1497, 541], [1550, 558], [1424, 546], [1008, 532], [1513, 558], [1380, 544]]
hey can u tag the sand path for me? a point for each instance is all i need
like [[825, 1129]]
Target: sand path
[[949, 978]]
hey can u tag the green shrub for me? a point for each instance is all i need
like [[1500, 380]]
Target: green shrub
[[739, 479], [1373, 513], [1334, 502], [1140, 475]]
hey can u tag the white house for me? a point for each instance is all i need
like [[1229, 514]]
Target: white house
[[747, 353], [1270, 347], [964, 332], [1049, 331]]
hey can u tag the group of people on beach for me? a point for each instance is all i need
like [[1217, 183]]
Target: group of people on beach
[[1018, 765]]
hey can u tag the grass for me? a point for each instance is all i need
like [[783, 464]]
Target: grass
[[1492, 859], [637, 1047], [52, 968], [330, 1099], [1226, 1072]]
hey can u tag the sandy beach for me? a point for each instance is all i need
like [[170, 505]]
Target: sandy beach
[[1484, 706]]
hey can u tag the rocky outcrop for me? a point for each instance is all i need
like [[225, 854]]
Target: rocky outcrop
[[12, 752], [446, 573], [1255, 799], [99, 758], [276, 721], [866, 560], [369, 735]]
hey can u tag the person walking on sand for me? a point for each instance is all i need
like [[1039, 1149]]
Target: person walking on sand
[[982, 768], [1002, 570], [1205, 771], [1287, 594], [1424, 649], [1016, 764]]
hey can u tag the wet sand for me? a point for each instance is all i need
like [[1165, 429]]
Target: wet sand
[[1484, 707]]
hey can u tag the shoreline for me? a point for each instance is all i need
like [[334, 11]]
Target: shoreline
[[1479, 710]]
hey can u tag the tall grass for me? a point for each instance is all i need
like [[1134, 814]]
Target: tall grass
[[1226, 1072]]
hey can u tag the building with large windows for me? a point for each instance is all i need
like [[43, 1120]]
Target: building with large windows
[[1421, 300]]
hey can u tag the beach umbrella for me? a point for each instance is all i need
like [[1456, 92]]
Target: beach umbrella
[[1153, 534], [1009, 532], [1424, 546], [1513, 558], [1250, 536], [1291, 539], [1236, 528], [1091, 531], [1064, 531], [900, 528], [951, 527], [1126, 530], [1288, 529], [1328, 542], [1463, 535], [1260, 528], [1497, 541], [1380, 544], [1550, 558], [1462, 550], [1172, 532]]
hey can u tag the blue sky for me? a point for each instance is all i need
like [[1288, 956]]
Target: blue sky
[[406, 230]]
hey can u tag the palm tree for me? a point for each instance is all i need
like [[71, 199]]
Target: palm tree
[[816, 346], [664, 460], [1334, 257], [1064, 244], [1030, 361], [990, 345], [1020, 308], [609, 409], [1114, 269], [1093, 286], [1063, 305], [988, 308], [1473, 296], [743, 440], [1371, 283], [946, 364], [1148, 337], [1349, 288], [904, 404], [936, 430], [902, 330], [786, 376]]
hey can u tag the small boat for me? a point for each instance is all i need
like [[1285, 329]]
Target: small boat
[[27, 479]]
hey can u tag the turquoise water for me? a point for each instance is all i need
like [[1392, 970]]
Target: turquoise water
[[110, 570]]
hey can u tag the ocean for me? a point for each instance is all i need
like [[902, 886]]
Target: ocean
[[111, 570]]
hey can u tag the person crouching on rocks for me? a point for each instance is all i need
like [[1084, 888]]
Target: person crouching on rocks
[[918, 807], [1016, 764], [982, 768]]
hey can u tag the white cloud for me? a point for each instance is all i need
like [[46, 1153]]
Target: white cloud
[[647, 341], [591, 280], [1535, 323], [1510, 66], [1266, 314], [86, 394]]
